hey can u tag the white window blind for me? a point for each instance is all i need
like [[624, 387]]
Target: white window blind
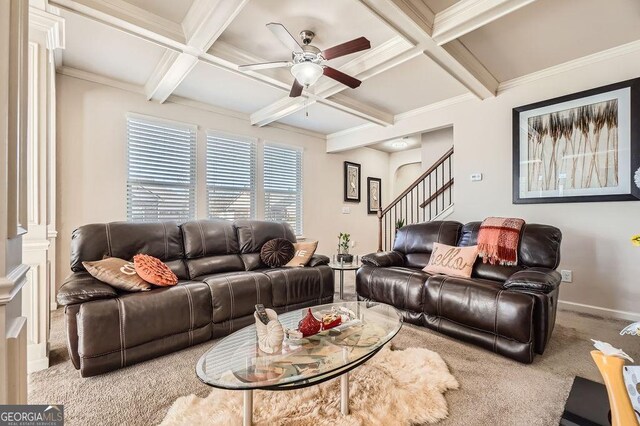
[[283, 185], [231, 177], [161, 182]]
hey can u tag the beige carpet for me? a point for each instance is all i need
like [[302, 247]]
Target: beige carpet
[[384, 391], [493, 390]]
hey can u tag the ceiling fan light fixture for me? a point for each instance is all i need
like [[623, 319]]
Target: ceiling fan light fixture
[[307, 73]]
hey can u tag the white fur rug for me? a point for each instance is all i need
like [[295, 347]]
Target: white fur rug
[[400, 387]]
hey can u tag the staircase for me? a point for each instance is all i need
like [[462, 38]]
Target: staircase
[[429, 197]]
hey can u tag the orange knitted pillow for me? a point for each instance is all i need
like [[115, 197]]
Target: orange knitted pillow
[[154, 271]]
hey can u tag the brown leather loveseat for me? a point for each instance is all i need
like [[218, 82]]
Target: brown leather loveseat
[[221, 279], [509, 310]]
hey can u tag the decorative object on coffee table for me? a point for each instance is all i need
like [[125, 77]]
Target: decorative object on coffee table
[[271, 334], [343, 248], [610, 362], [309, 325], [351, 182], [234, 363], [374, 194], [578, 148]]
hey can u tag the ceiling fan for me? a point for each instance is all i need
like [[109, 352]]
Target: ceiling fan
[[307, 63]]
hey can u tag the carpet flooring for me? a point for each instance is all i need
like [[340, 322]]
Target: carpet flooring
[[493, 390]]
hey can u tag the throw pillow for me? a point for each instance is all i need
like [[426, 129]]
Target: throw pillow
[[452, 260], [154, 271], [118, 273], [303, 253], [277, 252]]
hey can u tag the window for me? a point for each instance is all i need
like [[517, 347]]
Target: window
[[283, 185], [161, 181], [231, 177]]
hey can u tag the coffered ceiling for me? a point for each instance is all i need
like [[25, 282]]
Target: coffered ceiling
[[422, 51]]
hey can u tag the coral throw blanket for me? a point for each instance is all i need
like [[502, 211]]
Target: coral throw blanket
[[498, 240]]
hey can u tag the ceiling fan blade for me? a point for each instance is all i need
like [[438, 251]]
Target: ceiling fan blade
[[353, 46], [285, 36], [341, 77], [264, 66], [296, 89]]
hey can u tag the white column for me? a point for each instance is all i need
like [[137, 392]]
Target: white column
[[45, 36], [13, 223]]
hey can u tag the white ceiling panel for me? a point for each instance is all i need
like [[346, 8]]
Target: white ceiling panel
[[550, 32], [101, 49], [438, 6], [413, 84], [333, 22], [215, 86], [322, 119], [173, 10]]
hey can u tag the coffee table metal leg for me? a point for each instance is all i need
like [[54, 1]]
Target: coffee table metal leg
[[344, 394], [341, 284], [247, 407]]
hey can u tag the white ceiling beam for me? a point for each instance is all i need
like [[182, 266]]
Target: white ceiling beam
[[204, 23], [468, 15], [414, 21], [379, 59]]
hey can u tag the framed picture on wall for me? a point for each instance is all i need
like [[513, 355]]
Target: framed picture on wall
[[579, 148], [351, 182], [374, 194]]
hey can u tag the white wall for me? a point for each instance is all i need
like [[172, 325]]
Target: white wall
[[596, 243], [396, 161], [92, 165], [434, 145]]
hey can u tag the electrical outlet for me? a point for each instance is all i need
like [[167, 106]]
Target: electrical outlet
[[346, 210], [476, 177], [567, 275]]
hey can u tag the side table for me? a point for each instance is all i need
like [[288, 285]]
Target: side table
[[341, 267]]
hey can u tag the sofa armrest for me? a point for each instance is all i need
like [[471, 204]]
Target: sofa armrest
[[384, 259], [318, 259], [81, 287], [541, 280]]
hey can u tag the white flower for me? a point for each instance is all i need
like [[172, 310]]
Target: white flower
[[636, 177]]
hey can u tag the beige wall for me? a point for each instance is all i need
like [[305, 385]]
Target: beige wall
[[435, 144], [606, 267], [92, 165]]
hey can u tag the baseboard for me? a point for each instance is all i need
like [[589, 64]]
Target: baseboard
[[601, 312], [37, 365], [53, 306]]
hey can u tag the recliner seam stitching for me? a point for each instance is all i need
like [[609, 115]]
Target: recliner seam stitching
[[122, 344], [107, 228], [191, 318], [204, 246], [232, 302]]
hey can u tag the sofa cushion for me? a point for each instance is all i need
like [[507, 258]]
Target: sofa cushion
[[480, 304], [295, 285], [252, 234], [204, 238], [539, 244], [126, 239], [416, 241], [113, 328], [118, 273], [277, 252], [214, 265], [452, 260], [235, 294], [396, 285]]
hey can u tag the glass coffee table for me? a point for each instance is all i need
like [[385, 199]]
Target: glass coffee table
[[236, 363]]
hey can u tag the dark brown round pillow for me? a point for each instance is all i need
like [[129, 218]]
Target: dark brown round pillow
[[277, 252]]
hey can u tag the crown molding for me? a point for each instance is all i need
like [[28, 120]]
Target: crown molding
[[624, 49], [350, 131], [100, 79]]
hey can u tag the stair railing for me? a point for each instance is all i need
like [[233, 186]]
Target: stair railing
[[427, 197]]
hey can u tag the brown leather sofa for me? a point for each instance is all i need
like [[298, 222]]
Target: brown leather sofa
[[509, 310], [221, 279]]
